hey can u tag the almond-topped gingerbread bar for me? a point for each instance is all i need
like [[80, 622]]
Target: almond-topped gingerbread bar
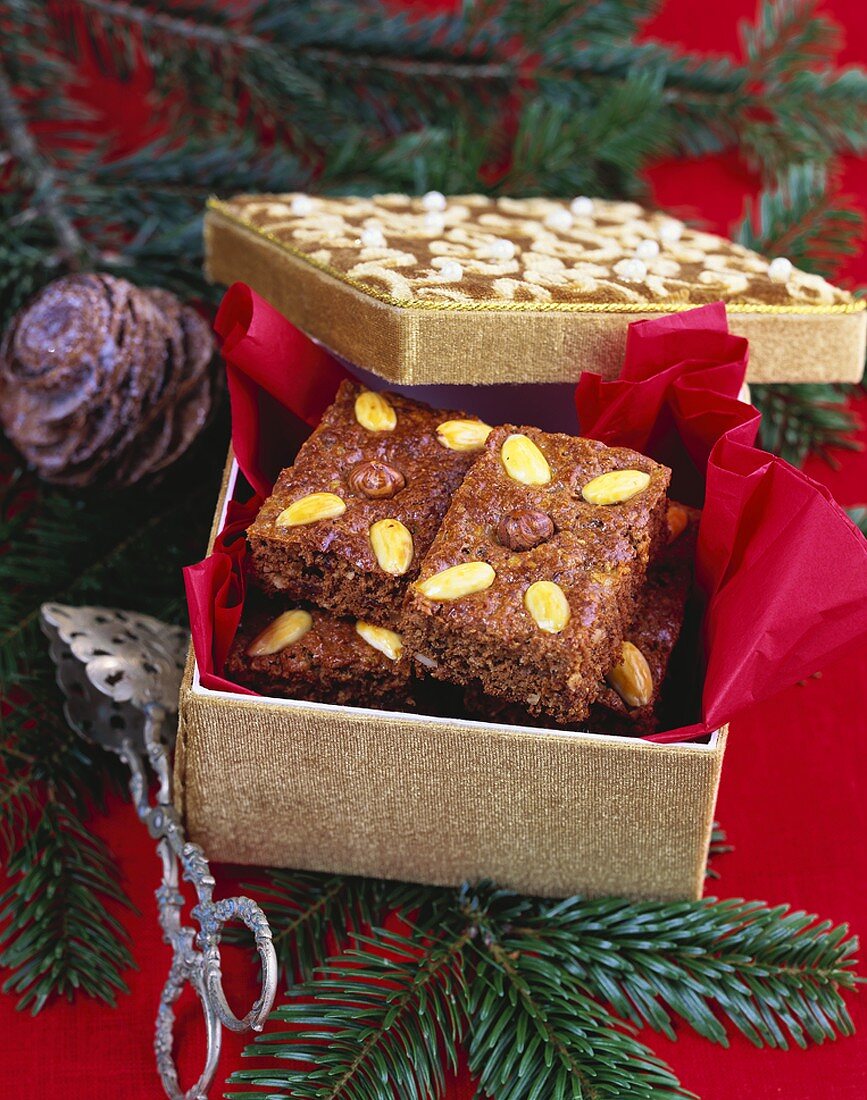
[[306, 653], [531, 582], [347, 525]]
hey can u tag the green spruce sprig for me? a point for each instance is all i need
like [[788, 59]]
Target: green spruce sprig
[[313, 914], [57, 937], [389, 1012], [536, 1029], [719, 846], [125, 550], [801, 216], [810, 418], [544, 996]]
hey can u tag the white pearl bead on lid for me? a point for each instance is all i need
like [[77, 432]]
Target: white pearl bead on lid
[[581, 206], [433, 200], [559, 219], [632, 270], [451, 271], [647, 250], [671, 231], [301, 205], [780, 270], [500, 249], [372, 237], [433, 221]]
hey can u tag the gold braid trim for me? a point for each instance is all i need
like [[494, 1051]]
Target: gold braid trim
[[488, 306]]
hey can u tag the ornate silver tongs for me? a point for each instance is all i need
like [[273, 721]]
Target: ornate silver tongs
[[120, 673]]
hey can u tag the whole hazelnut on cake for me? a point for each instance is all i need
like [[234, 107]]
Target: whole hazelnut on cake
[[524, 528], [376, 480]]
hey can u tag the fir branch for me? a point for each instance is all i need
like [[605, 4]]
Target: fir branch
[[364, 98], [800, 217], [798, 420], [535, 1033], [369, 24], [798, 109], [56, 934], [313, 914], [28, 250], [124, 550], [719, 846], [568, 150], [775, 974], [48, 195], [310, 913], [388, 1009], [788, 35], [323, 59], [548, 993]]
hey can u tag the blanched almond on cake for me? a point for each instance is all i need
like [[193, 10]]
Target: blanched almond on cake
[[286, 629], [548, 607], [615, 487], [309, 509], [631, 677], [388, 642], [463, 435], [392, 546], [374, 412], [524, 461], [458, 581]]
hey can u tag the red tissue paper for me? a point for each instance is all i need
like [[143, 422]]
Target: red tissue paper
[[782, 570], [280, 383]]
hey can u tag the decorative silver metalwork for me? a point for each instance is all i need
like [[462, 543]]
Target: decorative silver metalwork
[[120, 673]]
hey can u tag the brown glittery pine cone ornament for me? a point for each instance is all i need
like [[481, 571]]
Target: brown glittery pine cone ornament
[[103, 381]]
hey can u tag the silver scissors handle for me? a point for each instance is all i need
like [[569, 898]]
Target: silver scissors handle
[[196, 954]]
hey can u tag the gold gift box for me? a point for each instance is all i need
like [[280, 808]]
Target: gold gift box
[[560, 305], [315, 786], [438, 800]]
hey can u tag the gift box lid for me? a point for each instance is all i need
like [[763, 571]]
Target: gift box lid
[[479, 290]]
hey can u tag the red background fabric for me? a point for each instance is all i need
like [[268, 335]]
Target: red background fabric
[[792, 790]]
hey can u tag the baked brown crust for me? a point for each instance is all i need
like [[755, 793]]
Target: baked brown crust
[[331, 562], [331, 663], [598, 556]]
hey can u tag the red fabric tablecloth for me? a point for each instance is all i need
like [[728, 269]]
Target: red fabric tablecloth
[[791, 800]]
